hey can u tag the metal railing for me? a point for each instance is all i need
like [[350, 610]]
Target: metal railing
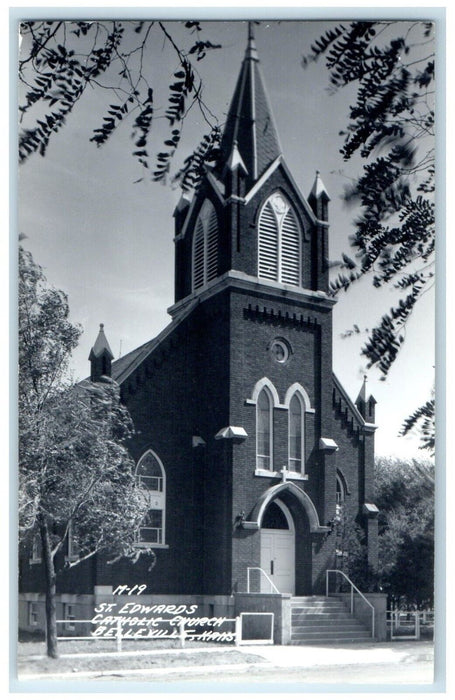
[[261, 571], [407, 624], [117, 634], [353, 588]]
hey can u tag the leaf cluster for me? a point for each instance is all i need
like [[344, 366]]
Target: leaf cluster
[[423, 419], [206, 153], [404, 495], [390, 126], [62, 59], [60, 76], [405, 498]]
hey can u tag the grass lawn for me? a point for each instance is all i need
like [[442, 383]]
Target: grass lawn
[[31, 657]]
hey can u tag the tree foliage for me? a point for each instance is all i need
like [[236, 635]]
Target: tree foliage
[[404, 494], [391, 65], [60, 60], [77, 490], [405, 498], [423, 420]]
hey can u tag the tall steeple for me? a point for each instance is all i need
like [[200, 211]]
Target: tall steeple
[[250, 132]]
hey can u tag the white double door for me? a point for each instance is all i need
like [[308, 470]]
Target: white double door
[[278, 560]]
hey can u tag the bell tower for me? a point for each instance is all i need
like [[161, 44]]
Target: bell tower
[[252, 274], [248, 215]]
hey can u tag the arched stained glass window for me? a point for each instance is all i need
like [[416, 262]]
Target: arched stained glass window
[[279, 242], [264, 430], [205, 246]]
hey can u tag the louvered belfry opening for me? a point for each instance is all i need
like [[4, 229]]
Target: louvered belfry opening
[[205, 246], [279, 257]]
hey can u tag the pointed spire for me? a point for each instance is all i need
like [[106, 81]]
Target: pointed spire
[[318, 188], [362, 397], [251, 51], [100, 357], [366, 406], [182, 204], [235, 159], [318, 198], [250, 121], [101, 345]]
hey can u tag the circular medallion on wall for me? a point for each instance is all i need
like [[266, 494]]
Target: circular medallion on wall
[[279, 350]]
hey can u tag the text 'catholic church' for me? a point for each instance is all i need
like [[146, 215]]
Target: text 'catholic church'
[[245, 439]]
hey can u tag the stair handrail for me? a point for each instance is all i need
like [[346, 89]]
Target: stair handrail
[[258, 568], [353, 588]]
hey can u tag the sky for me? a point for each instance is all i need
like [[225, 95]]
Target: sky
[[107, 240]]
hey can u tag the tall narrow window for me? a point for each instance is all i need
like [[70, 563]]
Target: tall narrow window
[[296, 434], [340, 492], [205, 246], [279, 242], [264, 433], [151, 478]]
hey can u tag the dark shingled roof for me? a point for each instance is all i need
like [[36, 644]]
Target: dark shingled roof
[[121, 367]]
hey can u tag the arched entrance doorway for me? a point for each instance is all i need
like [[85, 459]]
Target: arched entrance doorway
[[278, 548]]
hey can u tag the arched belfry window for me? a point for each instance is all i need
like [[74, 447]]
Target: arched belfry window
[[205, 246], [264, 430], [279, 242], [151, 478]]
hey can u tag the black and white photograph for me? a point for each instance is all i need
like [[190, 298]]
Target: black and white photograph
[[226, 463]]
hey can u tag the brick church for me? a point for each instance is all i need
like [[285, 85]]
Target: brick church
[[245, 439]]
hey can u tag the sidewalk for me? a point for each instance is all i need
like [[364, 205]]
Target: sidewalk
[[269, 658], [342, 655]]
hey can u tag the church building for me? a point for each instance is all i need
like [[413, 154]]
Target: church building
[[245, 440]]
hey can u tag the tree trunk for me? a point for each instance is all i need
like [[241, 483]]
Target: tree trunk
[[49, 570]]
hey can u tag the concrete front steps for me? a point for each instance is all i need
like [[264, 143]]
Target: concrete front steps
[[320, 620]]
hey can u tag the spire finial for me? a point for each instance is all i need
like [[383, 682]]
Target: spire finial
[[251, 47]]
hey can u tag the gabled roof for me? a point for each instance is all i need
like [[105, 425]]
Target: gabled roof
[[250, 127], [123, 367]]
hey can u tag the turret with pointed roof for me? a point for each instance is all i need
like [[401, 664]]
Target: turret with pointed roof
[[366, 406], [318, 198], [100, 357]]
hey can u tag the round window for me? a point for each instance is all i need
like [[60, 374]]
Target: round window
[[280, 351]]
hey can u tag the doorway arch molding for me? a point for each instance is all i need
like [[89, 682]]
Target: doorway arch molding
[[255, 520]]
